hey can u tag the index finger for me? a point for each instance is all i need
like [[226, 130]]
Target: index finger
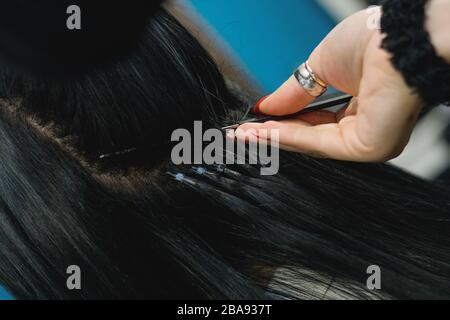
[[287, 99]]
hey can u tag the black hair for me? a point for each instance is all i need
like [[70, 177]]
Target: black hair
[[36, 35], [221, 232]]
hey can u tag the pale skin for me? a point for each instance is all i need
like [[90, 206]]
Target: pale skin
[[377, 125]]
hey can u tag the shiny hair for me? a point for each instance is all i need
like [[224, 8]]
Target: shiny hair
[[223, 232]]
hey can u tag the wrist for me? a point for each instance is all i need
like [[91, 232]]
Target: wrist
[[438, 26]]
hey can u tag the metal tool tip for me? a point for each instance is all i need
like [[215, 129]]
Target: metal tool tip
[[232, 127]]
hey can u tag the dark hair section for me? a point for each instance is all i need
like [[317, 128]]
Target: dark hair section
[[218, 233], [34, 35]]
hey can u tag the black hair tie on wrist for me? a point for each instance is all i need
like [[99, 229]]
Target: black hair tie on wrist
[[403, 22], [35, 37]]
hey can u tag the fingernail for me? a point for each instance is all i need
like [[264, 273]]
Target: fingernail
[[246, 135], [231, 134], [257, 107]]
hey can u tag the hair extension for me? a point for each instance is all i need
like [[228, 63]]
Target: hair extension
[[140, 227]]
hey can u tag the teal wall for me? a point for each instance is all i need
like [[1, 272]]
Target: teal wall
[[271, 37], [4, 295]]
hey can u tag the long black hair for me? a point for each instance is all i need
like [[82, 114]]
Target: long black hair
[[222, 232]]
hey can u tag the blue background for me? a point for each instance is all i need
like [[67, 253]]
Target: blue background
[[4, 295], [271, 37]]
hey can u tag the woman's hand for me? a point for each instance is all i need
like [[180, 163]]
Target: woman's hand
[[376, 126]]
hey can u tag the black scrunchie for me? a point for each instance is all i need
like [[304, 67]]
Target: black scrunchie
[[403, 23], [34, 34]]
